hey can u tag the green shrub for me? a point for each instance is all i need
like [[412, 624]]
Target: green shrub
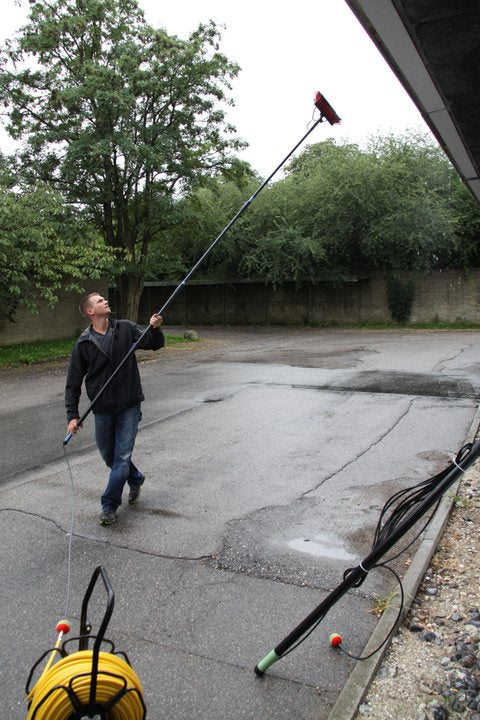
[[400, 296]]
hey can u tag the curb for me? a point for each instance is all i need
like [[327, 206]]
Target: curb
[[358, 681]]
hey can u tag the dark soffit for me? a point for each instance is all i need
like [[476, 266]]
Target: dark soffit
[[433, 47]]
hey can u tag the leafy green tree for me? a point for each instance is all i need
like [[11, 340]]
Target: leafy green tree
[[43, 248], [396, 205], [117, 115], [197, 219], [413, 227], [283, 254], [466, 212], [411, 221], [333, 184]]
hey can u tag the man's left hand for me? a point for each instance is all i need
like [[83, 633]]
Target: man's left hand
[[156, 320]]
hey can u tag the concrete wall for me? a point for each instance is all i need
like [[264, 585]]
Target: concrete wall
[[61, 321], [445, 296], [450, 296]]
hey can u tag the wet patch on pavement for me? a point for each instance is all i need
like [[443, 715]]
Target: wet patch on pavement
[[302, 357], [405, 383], [398, 383], [438, 459], [322, 545], [305, 543], [162, 512]]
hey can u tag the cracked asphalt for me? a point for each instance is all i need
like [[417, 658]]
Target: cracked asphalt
[[269, 453]]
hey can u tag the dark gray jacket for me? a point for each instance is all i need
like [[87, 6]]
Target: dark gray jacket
[[89, 361]]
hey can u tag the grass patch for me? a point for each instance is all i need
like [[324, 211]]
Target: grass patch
[[51, 350], [35, 352], [178, 339]]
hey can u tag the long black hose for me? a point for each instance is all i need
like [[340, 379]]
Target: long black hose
[[406, 508]]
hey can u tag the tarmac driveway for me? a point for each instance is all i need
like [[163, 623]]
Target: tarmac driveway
[[268, 454]]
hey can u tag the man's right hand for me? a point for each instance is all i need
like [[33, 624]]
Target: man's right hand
[[73, 426]]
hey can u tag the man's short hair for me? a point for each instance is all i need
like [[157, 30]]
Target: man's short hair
[[85, 302]]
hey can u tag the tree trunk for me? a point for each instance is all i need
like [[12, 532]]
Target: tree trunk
[[130, 287]]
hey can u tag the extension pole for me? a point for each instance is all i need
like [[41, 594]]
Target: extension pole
[[326, 113], [370, 561]]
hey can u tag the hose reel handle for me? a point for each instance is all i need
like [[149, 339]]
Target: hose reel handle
[[84, 624]]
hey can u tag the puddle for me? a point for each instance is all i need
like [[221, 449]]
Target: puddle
[[321, 545]]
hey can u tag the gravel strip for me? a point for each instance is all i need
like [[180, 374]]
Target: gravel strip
[[432, 668]]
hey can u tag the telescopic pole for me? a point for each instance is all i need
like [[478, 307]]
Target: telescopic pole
[[326, 113], [368, 563]]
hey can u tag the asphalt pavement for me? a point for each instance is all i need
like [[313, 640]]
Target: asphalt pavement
[[268, 455]]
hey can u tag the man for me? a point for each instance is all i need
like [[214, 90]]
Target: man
[[97, 353]]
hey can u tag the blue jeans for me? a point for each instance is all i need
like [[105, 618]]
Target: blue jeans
[[115, 434]]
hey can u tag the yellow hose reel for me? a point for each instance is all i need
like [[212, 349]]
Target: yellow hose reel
[[87, 683]]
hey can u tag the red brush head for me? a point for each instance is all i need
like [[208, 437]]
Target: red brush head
[[326, 109]]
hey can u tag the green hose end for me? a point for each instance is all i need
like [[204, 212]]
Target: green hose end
[[266, 662]]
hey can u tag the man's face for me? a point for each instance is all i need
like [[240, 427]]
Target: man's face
[[98, 306]]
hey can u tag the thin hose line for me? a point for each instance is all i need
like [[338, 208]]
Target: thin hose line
[[72, 526]]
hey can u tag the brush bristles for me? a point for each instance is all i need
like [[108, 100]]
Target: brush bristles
[[326, 109]]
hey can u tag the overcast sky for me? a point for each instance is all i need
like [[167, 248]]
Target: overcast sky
[[287, 51]]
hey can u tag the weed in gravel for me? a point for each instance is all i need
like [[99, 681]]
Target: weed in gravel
[[382, 603]]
